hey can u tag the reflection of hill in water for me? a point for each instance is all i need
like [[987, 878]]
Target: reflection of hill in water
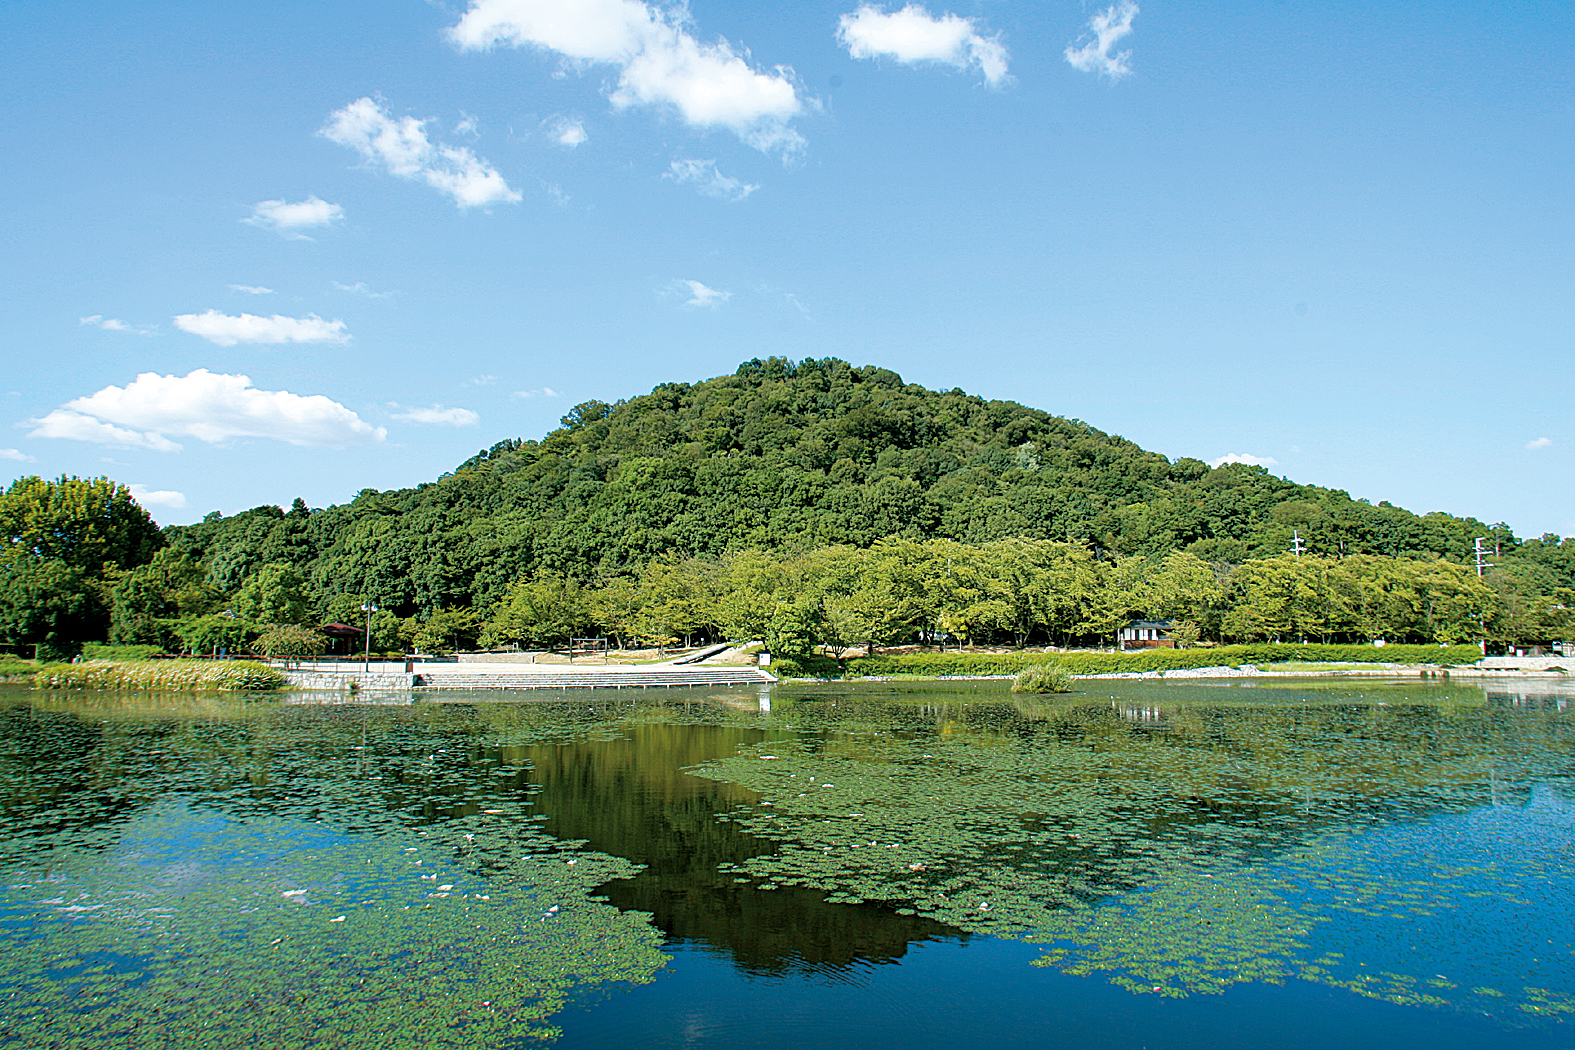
[[630, 798]]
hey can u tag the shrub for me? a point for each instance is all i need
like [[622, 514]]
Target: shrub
[[104, 651], [1043, 678], [943, 664], [786, 667]]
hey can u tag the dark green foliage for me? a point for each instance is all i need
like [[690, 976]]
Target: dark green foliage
[[48, 605], [787, 456]]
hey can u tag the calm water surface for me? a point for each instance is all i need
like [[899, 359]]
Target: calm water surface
[[1141, 864]]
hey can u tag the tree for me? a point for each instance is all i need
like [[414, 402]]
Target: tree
[[276, 593], [145, 601], [546, 609], [216, 634], [291, 642], [84, 523], [48, 604]]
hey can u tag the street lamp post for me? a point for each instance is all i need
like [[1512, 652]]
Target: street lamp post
[[366, 660]]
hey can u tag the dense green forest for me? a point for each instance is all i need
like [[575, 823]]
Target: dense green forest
[[801, 464]]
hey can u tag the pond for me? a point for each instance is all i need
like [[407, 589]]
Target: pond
[[1295, 863]]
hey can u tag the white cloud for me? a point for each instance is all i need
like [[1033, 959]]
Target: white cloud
[[1242, 457], [403, 148], [74, 426], [360, 288], [289, 219], [110, 324], [566, 132], [545, 391], [157, 497], [700, 295], [705, 177], [251, 289], [1109, 26], [1539, 443], [208, 406], [483, 380], [227, 330], [659, 62], [16, 455], [438, 416], [912, 35]]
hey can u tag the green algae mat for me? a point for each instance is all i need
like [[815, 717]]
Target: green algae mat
[[182, 871]]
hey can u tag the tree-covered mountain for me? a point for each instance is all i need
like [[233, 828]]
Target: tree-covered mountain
[[792, 456]]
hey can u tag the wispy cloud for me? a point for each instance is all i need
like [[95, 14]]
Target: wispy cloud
[[659, 62], [1108, 26], [482, 380], [438, 416], [208, 406], [290, 219], [111, 324], [704, 176], [566, 132], [157, 497], [545, 391], [402, 148], [15, 455], [700, 295], [912, 35], [1539, 443], [360, 288], [227, 329], [251, 289], [1242, 457]]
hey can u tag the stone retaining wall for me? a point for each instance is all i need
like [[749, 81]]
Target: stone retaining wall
[[346, 681]]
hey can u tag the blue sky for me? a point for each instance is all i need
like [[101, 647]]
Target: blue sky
[[260, 251]]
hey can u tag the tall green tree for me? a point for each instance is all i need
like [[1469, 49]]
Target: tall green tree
[[277, 594], [86, 523], [48, 604]]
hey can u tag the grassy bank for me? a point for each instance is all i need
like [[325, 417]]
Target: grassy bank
[[943, 664], [183, 675]]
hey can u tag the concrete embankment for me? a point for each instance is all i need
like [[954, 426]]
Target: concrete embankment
[[506, 677]]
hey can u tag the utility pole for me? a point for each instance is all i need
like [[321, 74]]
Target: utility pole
[[1297, 547], [1480, 554], [366, 659]]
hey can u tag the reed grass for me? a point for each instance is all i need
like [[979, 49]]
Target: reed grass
[[184, 675], [1043, 678]]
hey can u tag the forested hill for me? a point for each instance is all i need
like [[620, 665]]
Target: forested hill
[[792, 456]]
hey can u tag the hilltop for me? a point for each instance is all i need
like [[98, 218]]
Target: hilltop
[[792, 456]]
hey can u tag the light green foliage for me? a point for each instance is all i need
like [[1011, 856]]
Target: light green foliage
[[446, 631], [221, 675], [291, 641], [86, 523], [1047, 677], [215, 634], [276, 593], [542, 610]]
